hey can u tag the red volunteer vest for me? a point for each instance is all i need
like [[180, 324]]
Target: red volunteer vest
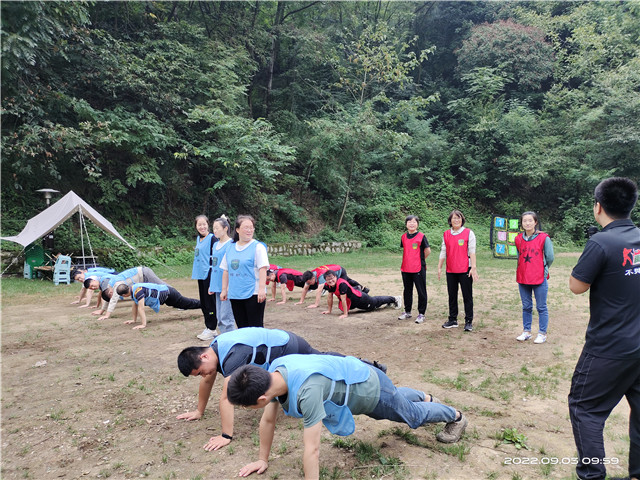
[[457, 251], [530, 269], [336, 292], [288, 271], [323, 269], [411, 261], [274, 268]]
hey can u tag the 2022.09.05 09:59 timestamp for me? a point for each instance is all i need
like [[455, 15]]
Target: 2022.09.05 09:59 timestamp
[[560, 461]]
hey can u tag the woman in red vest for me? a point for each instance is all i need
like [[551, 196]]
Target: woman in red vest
[[459, 250], [350, 297], [415, 250], [535, 256]]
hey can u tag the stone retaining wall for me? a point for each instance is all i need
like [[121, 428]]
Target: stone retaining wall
[[279, 249], [290, 249]]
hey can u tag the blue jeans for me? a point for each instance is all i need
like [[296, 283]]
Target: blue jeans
[[540, 291], [226, 321], [406, 405]]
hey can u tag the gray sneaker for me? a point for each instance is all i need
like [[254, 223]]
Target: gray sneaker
[[398, 303], [207, 335], [434, 399], [404, 316], [420, 318], [453, 430]]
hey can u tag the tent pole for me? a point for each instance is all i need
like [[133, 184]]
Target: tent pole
[[93, 258], [84, 263], [14, 260]]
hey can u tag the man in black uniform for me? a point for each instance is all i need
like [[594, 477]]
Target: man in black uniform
[[609, 366]]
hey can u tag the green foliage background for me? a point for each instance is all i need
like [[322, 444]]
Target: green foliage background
[[324, 120]]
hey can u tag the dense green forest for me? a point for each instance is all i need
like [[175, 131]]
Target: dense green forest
[[326, 119]]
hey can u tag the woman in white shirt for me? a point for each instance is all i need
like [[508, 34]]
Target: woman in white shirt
[[244, 278]]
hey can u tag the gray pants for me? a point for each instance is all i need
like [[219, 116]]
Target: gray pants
[[149, 276]]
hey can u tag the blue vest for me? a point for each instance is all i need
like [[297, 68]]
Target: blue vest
[[99, 271], [104, 279], [321, 280], [124, 276], [240, 265], [202, 257], [215, 284], [350, 370], [151, 301], [252, 337]]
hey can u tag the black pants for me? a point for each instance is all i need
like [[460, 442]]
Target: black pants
[[466, 285], [419, 279], [350, 281], [365, 302], [597, 386], [176, 300], [297, 344], [208, 304], [248, 312]]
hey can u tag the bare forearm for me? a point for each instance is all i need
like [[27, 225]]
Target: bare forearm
[[305, 289], [226, 416], [267, 431], [311, 455], [319, 294]]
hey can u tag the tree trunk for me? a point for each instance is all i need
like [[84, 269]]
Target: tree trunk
[[346, 195], [275, 46]]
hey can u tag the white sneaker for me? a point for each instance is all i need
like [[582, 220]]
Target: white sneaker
[[524, 336], [207, 335], [404, 316], [398, 304], [541, 338], [420, 318]]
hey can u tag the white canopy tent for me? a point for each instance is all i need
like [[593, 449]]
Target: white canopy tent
[[50, 218]]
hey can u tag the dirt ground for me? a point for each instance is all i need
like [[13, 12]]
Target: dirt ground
[[89, 399]]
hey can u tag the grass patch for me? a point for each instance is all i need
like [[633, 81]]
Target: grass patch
[[459, 450], [503, 386], [371, 463], [511, 436]]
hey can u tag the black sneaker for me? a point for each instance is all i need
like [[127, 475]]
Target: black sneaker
[[468, 327], [450, 324], [376, 364], [380, 366]]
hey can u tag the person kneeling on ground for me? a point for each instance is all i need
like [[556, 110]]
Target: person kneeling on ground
[[350, 297], [230, 351], [301, 383], [154, 295]]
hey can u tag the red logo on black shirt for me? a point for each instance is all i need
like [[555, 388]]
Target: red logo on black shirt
[[631, 256]]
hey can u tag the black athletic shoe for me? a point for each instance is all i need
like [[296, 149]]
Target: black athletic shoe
[[380, 366], [376, 364], [468, 327], [450, 324]]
